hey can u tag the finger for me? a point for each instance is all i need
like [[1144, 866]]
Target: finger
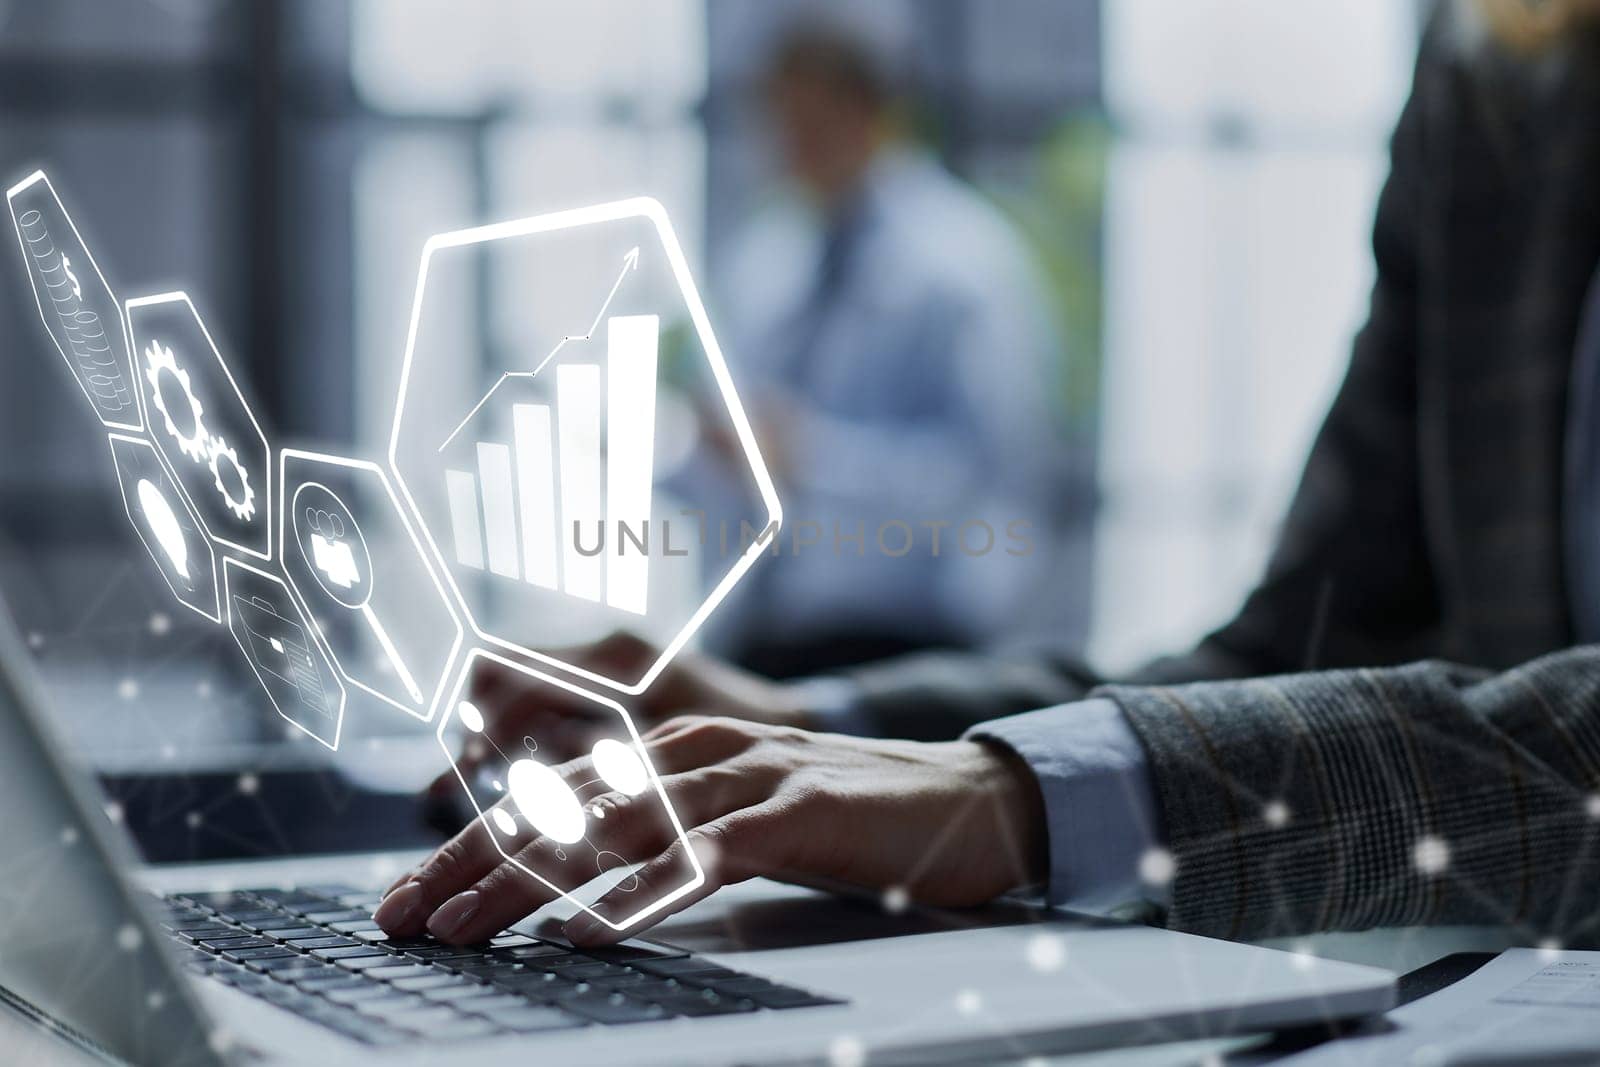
[[453, 866], [698, 742], [741, 845], [620, 825]]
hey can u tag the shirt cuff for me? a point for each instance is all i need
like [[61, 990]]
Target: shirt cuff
[[1099, 803]]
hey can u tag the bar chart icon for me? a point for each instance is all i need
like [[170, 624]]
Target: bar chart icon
[[556, 506]]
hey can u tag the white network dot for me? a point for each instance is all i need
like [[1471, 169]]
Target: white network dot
[[156, 1000], [1431, 855], [1276, 814], [846, 1051], [1156, 867], [128, 689], [69, 836], [36, 640], [1549, 948], [114, 811], [896, 900], [1046, 953], [969, 1002], [1592, 806], [169, 751], [249, 784], [160, 623], [129, 939], [1301, 956], [203, 690], [194, 819]]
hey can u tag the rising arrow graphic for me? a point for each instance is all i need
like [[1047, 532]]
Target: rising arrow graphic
[[630, 262]]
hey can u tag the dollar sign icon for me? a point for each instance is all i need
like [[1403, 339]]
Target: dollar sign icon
[[66, 265]]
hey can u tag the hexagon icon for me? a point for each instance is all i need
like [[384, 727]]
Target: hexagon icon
[[201, 423], [283, 650], [553, 476], [166, 523], [81, 313], [360, 572], [520, 796]]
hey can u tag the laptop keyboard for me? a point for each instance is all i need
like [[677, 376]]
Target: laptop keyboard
[[316, 952]]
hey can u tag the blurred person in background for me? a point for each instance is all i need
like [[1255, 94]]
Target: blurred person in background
[[887, 330]]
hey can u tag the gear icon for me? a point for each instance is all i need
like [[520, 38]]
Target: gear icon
[[223, 456], [159, 360]]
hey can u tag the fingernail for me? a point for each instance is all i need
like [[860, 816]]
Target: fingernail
[[397, 908], [583, 927], [453, 914]]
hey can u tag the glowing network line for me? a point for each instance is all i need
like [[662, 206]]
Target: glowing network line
[[630, 262]]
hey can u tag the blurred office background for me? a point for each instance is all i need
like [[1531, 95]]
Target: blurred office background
[[1193, 183]]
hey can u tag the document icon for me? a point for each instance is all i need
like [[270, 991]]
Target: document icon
[[278, 647], [284, 651]]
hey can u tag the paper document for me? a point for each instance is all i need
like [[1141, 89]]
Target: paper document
[[1525, 1006]]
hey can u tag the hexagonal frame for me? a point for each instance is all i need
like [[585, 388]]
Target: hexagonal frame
[[651, 210], [137, 426], [463, 676], [138, 527], [304, 603], [311, 634], [265, 495]]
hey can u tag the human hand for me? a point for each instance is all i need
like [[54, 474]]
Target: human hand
[[951, 824], [567, 724]]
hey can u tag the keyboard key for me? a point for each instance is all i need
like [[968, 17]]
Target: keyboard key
[[586, 971], [360, 991], [286, 968], [341, 915], [223, 944], [366, 963], [458, 991], [352, 952], [627, 980], [540, 986], [395, 1004], [490, 1005], [444, 952], [634, 950], [421, 982], [399, 969], [489, 970], [306, 944], [612, 1008], [270, 952], [291, 933], [706, 1003], [326, 980], [355, 925], [531, 1018], [679, 968], [512, 941], [531, 953]]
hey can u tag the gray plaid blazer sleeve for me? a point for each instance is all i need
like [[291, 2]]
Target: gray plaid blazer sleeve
[[1323, 762]]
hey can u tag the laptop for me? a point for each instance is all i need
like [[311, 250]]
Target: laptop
[[279, 961]]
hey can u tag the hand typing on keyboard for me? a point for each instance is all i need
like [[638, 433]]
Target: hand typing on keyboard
[[952, 824], [316, 952]]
